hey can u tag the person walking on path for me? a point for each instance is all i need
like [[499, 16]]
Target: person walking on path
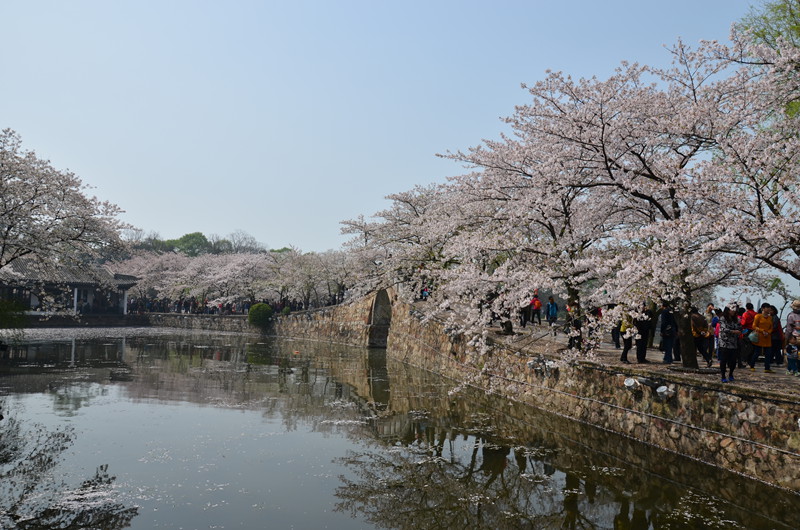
[[792, 354], [669, 331], [642, 325], [762, 324], [715, 333], [747, 326], [730, 331], [777, 338], [700, 333], [525, 314], [551, 313], [536, 310], [615, 335], [710, 316], [792, 321], [626, 331]]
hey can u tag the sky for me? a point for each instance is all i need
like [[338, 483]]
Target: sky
[[284, 118]]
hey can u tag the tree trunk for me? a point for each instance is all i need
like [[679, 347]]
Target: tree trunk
[[688, 349], [575, 318], [682, 312]]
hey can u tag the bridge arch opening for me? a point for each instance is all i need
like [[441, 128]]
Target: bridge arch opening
[[380, 320]]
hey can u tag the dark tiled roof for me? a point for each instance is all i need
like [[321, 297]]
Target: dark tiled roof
[[25, 270]]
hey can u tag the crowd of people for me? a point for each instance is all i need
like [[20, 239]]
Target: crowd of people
[[734, 336], [737, 337]]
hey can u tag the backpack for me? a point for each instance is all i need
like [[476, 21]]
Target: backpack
[[537, 304]]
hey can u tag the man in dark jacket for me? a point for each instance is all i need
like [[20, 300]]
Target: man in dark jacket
[[642, 325], [669, 331], [700, 333]]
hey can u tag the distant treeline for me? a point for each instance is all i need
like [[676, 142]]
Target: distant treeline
[[197, 243]]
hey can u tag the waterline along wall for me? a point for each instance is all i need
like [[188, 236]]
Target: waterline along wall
[[225, 323], [753, 433]]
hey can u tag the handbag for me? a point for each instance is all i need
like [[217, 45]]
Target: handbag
[[753, 336]]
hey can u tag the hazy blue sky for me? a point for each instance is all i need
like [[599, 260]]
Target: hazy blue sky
[[284, 118]]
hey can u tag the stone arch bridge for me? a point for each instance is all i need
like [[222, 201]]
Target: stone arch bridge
[[366, 322]]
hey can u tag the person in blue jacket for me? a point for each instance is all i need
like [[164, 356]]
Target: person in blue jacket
[[551, 312]]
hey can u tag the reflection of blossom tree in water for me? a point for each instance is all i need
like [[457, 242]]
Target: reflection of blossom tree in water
[[32, 497], [495, 486], [407, 488]]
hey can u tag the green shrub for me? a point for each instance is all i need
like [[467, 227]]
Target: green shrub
[[260, 315], [285, 311]]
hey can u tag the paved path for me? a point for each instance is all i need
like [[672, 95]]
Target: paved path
[[778, 384]]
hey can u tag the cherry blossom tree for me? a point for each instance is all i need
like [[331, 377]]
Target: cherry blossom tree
[[756, 164], [46, 214], [523, 229], [652, 184], [405, 246], [230, 278], [338, 271], [298, 276], [156, 273], [306, 277]]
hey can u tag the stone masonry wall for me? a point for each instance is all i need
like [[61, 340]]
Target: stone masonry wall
[[340, 324]]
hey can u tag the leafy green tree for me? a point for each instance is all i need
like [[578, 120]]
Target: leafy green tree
[[260, 315], [192, 244], [195, 243], [772, 21], [775, 21]]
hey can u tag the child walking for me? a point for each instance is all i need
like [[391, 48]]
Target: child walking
[[791, 354]]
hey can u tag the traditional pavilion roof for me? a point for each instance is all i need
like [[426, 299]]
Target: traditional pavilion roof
[[26, 270]]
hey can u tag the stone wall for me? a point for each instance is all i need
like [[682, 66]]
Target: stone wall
[[34, 320], [340, 324]]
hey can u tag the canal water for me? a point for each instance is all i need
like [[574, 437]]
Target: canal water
[[144, 428]]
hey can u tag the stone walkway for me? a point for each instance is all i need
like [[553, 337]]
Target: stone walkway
[[780, 385]]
